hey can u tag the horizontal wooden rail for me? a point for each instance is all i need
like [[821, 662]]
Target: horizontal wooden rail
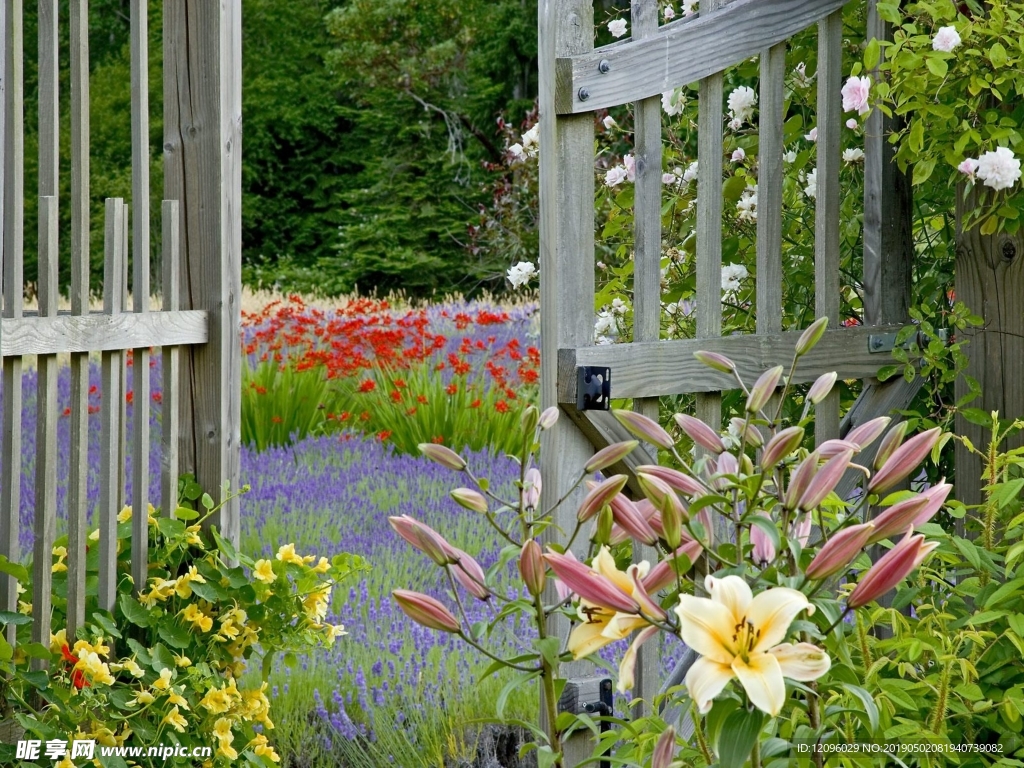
[[101, 332], [649, 369], [680, 53]]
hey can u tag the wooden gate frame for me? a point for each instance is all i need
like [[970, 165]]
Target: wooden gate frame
[[576, 80], [198, 326]]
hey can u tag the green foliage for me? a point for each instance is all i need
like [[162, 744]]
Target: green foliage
[[166, 665]]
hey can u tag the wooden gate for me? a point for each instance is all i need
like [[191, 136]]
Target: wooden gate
[[197, 324], [575, 81]]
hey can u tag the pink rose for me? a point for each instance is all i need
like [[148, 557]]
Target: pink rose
[[855, 94]]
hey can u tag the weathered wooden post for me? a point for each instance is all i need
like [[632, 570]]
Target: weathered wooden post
[[202, 157]]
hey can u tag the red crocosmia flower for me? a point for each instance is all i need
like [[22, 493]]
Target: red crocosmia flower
[[384, 434], [276, 419], [367, 385], [396, 395], [158, 397], [67, 412], [452, 389], [475, 404], [501, 406], [364, 416], [439, 439], [129, 396], [421, 399], [400, 383], [411, 411]]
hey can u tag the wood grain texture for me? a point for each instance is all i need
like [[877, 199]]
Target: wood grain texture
[[888, 212], [78, 469], [49, 123], [202, 154], [47, 414], [171, 372], [566, 276], [769, 190], [122, 438], [990, 281], [826, 209], [13, 280], [682, 52], [646, 290], [669, 368], [601, 428], [103, 333], [111, 366]]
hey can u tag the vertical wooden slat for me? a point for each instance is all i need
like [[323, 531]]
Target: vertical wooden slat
[[709, 233], [122, 440], [111, 459], [826, 210], [202, 151], [47, 412], [13, 278], [169, 408], [769, 190], [79, 461], [140, 287], [566, 27], [49, 127], [647, 286]]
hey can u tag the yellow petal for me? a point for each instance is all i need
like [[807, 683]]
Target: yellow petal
[[732, 592], [627, 667], [604, 564], [761, 678], [622, 625], [803, 661], [771, 613], [586, 639], [705, 680], [707, 627]]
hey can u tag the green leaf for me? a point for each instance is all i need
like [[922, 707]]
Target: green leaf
[[887, 372], [184, 513], [866, 700], [739, 733], [16, 570], [1010, 588], [134, 611], [997, 55], [141, 652], [225, 546], [872, 53], [936, 66], [512, 685], [207, 501], [12, 617], [36, 651], [548, 648], [6, 652], [107, 623], [1009, 492], [162, 658], [174, 634]]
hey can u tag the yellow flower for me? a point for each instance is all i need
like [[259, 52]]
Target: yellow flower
[[740, 635], [192, 536], [160, 590], [84, 646], [199, 620], [66, 762], [142, 697], [133, 668], [224, 748], [25, 608], [286, 554], [222, 729], [96, 670], [183, 586], [228, 631], [262, 749], [177, 698], [124, 515], [220, 700], [182, 661], [123, 736], [264, 571], [175, 720], [60, 553], [95, 535], [316, 603], [151, 514], [163, 682], [104, 736], [334, 631], [58, 640], [323, 566]]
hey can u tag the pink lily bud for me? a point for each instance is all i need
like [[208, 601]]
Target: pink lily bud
[[904, 460], [699, 432], [892, 440], [811, 336], [470, 499], [531, 567], [647, 605], [600, 495], [868, 432], [590, 585], [781, 445], [610, 455], [821, 387], [763, 389], [898, 518], [704, 518], [665, 749], [680, 481], [831, 448], [548, 417], [424, 538], [936, 496], [627, 667], [716, 361], [672, 516], [644, 428], [470, 575], [802, 529], [531, 490], [606, 526], [662, 575], [426, 611], [894, 566], [727, 465], [654, 488], [825, 480], [764, 550], [750, 433], [446, 457], [625, 513], [840, 551], [800, 480]]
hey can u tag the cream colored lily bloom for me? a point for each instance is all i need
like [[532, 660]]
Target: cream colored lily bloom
[[600, 625], [739, 635]]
